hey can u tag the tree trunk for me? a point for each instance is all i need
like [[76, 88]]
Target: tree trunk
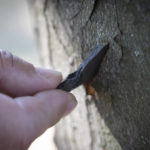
[[67, 31]]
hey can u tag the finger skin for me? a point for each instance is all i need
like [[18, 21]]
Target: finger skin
[[20, 78], [28, 117]]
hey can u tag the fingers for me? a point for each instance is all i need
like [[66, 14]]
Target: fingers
[[28, 117], [53, 76], [20, 78], [46, 108]]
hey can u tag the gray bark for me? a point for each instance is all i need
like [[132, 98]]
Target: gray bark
[[67, 31]]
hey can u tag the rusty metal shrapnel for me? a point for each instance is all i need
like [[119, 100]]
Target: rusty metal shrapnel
[[86, 71]]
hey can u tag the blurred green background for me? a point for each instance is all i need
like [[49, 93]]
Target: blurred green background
[[16, 33]]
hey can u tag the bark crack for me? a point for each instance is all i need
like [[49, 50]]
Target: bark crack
[[45, 5], [59, 39], [79, 10], [117, 20], [94, 6], [48, 30], [91, 13], [89, 123], [93, 9], [120, 32], [56, 31], [95, 3]]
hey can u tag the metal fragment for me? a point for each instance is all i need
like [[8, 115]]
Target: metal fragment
[[86, 71]]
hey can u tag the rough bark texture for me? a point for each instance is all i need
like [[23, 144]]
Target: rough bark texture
[[67, 31]]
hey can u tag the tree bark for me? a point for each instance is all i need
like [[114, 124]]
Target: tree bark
[[67, 30]]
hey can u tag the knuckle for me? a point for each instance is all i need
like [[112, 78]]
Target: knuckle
[[31, 68], [6, 58], [6, 61]]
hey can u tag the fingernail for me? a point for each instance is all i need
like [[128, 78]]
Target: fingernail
[[70, 105], [56, 73], [56, 77], [49, 74]]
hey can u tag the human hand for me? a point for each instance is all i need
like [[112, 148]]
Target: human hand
[[29, 102]]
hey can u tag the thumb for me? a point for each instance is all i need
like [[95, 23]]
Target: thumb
[[45, 109]]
